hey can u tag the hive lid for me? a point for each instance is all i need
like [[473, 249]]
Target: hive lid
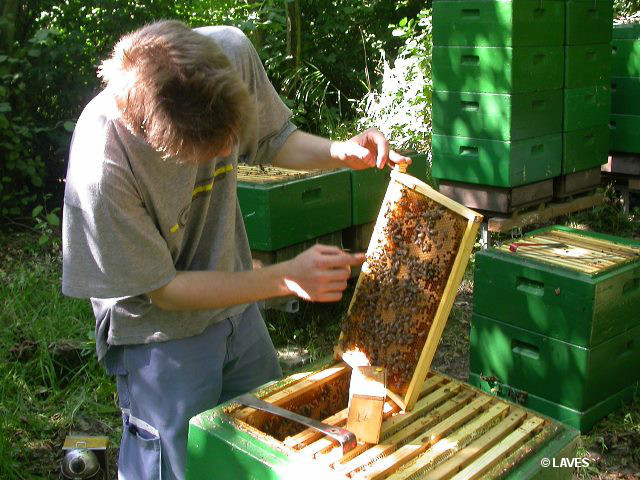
[[269, 174], [574, 250], [415, 261]]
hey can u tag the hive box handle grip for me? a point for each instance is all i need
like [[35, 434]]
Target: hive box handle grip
[[631, 285], [537, 149], [471, 13], [311, 195], [531, 287], [525, 349], [470, 106], [470, 60], [538, 12], [626, 349], [466, 151], [538, 104]]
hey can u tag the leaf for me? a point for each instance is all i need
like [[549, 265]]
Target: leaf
[[53, 219], [44, 239], [33, 52], [5, 107], [69, 126], [36, 211]]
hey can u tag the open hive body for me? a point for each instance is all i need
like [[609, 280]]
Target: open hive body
[[453, 431], [433, 427]]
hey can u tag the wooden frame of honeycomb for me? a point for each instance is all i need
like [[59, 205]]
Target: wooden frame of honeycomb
[[417, 256]]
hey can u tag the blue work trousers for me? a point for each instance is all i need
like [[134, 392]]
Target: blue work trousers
[[162, 385]]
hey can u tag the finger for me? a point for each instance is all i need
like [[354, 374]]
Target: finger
[[397, 158], [382, 147], [335, 275], [329, 297], [327, 249], [340, 260], [333, 287], [352, 149]]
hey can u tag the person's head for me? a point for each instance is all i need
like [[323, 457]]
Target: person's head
[[177, 90]]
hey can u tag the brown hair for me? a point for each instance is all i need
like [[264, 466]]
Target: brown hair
[[176, 89]]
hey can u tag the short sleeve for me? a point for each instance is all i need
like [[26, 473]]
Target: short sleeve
[[274, 118], [111, 246]]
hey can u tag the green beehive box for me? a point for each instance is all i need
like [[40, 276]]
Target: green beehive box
[[453, 429], [497, 69], [586, 107], [625, 57], [588, 21], [587, 65], [627, 30], [496, 163], [624, 133], [582, 420], [498, 23], [496, 116], [554, 293], [283, 207], [369, 186], [584, 149], [625, 95], [573, 376]]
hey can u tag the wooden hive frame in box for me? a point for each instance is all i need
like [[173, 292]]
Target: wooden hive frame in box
[[454, 431], [415, 262]]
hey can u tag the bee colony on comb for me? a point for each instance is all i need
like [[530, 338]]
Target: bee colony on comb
[[431, 426], [415, 261]]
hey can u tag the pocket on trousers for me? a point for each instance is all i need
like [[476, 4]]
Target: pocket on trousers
[[140, 451]]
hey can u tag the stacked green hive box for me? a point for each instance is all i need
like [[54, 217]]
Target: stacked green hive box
[[497, 100], [282, 210], [625, 89], [587, 69], [557, 328]]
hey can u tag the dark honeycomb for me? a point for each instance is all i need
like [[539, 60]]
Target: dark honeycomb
[[319, 404], [402, 282]]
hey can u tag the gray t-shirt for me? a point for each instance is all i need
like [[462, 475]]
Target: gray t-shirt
[[131, 220]]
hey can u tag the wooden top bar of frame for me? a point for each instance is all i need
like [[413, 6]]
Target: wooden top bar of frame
[[588, 255]]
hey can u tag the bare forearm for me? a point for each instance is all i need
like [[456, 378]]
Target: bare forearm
[[211, 289], [303, 151]]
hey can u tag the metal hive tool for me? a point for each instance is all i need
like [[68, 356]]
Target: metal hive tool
[[415, 261]]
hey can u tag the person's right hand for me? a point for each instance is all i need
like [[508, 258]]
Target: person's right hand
[[320, 273]]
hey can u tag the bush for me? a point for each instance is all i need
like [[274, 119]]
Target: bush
[[401, 108]]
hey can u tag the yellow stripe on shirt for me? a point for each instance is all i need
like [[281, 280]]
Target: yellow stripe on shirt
[[209, 186], [205, 188]]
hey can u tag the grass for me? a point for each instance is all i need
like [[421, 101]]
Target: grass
[[51, 384]]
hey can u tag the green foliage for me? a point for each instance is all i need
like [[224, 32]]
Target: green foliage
[[625, 8], [50, 73], [50, 380], [22, 171], [401, 108]]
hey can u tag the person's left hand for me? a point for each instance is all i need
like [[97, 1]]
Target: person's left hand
[[367, 149]]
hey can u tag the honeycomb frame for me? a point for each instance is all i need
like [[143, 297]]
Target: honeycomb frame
[[417, 256]]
